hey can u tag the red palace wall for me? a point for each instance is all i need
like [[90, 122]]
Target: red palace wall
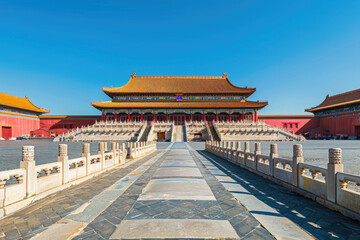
[[348, 125], [19, 125], [64, 124], [296, 125]]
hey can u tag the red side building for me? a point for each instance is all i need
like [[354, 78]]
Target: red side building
[[339, 115], [18, 116]]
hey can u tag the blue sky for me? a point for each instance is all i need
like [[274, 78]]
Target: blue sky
[[61, 53]]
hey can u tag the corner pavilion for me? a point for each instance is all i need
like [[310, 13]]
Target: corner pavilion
[[179, 99]]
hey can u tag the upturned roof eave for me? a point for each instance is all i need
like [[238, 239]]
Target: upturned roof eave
[[319, 107]]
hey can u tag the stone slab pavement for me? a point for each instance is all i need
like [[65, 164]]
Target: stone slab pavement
[[179, 192]]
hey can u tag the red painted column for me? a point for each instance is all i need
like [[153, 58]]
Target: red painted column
[[204, 118], [229, 117], [167, 116], [256, 117], [115, 116], [243, 116], [102, 116], [217, 117], [128, 117], [191, 116], [141, 116], [154, 117]]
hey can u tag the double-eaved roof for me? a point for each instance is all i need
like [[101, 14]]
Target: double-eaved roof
[[173, 85], [12, 101], [338, 100]]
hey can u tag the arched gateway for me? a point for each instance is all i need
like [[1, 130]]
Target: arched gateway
[[179, 99]]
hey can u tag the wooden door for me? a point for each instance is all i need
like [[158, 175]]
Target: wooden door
[[6, 133], [357, 131]]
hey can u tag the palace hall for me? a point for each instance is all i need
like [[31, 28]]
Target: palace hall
[[179, 99], [18, 116]]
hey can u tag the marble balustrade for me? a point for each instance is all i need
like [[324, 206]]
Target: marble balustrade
[[328, 186], [31, 182]]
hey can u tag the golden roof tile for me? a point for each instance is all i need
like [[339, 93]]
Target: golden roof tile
[[338, 100], [20, 103], [178, 84]]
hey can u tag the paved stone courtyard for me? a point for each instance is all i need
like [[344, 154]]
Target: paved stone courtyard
[[179, 192]]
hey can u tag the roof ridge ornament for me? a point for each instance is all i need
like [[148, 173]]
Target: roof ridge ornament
[[133, 75], [225, 75]]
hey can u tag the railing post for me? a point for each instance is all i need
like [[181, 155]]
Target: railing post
[[246, 151], [114, 151], [297, 158], [131, 153], [273, 155], [334, 166], [123, 154], [64, 159], [28, 162], [105, 146], [238, 152], [257, 152], [137, 149], [86, 154], [102, 153]]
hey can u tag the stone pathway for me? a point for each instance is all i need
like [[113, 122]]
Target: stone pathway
[[178, 192]]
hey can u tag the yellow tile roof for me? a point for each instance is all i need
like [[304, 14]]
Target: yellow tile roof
[[20, 103], [178, 84], [338, 100]]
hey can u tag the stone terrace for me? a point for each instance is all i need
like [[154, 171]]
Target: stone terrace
[[179, 191]]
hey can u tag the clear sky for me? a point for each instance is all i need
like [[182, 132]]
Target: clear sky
[[61, 53]]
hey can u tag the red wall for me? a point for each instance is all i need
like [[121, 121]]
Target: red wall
[[330, 126], [308, 126], [57, 125], [281, 122], [340, 125], [304, 123], [20, 126]]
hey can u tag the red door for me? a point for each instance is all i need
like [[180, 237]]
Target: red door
[[179, 119], [6, 133], [357, 131]]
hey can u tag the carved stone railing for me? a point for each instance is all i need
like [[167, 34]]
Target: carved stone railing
[[20, 187], [196, 127], [249, 130], [105, 131], [312, 179], [344, 195], [328, 186]]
